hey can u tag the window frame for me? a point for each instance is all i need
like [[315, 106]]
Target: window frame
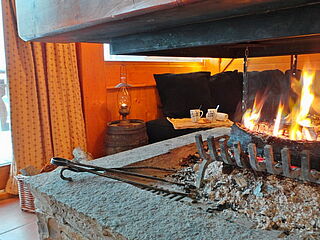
[[108, 57]]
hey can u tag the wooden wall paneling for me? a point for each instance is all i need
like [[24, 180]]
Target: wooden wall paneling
[[237, 64], [309, 61], [280, 62], [259, 64], [92, 76], [145, 99], [145, 104], [212, 65], [4, 175], [141, 73], [269, 63]]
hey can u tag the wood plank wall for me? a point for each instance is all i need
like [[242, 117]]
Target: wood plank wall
[[98, 79], [4, 175], [280, 62], [145, 100]]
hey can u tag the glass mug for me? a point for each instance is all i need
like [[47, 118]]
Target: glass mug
[[212, 114], [222, 116], [195, 114]]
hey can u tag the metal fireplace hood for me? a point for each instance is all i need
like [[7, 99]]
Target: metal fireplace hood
[[188, 28]]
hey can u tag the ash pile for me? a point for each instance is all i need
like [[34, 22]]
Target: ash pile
[[268, 201]]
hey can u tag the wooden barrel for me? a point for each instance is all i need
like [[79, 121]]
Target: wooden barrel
[[121, 137]]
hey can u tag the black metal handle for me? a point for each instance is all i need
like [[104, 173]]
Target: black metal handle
[[60, 161]]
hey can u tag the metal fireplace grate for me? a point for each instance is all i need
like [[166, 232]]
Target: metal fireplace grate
[[236, 156]]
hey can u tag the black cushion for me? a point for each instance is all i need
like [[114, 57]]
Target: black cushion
[[226, 90], [161, 129], [181, 92]]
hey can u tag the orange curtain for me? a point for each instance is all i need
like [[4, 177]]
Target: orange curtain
[[45, 98]]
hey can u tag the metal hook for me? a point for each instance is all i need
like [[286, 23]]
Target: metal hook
[[63, 177]]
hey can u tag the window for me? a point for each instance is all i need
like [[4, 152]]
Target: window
[[109, 57], [5, 130]]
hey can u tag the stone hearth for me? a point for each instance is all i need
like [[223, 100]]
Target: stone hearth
[[93, 207]]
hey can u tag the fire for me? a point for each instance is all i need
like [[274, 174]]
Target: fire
[[300, 120], [252, 116], [297, 125], [277, 123]]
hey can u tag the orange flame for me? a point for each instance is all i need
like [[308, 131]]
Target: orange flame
[[300, 124], [300, 112], [276, 128], [252, 116]]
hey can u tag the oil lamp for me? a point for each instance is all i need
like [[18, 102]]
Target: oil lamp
[[124, 98]]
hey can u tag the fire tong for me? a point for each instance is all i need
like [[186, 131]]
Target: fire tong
[[237, 157], [116, 173]]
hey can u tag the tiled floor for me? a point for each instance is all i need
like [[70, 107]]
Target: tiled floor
[[16, 224]]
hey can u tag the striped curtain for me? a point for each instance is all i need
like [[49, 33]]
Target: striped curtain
[[45, 99]]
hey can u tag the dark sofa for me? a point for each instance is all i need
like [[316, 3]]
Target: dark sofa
[[181, 92]]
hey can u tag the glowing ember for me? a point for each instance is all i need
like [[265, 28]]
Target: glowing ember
[[297, 125]]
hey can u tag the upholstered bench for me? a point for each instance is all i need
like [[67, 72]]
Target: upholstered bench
[[181, 92]]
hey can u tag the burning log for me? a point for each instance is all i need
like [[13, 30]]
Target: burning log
[[266, 154], [246, 136]]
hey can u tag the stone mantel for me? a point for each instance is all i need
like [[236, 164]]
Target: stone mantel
[[93, 207]]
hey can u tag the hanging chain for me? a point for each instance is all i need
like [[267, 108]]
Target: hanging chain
[[294, 64], [245, 80]]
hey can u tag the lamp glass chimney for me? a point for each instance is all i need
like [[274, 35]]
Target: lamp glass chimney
[[124, 98]]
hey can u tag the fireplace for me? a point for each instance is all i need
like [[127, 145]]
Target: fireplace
[[258, 182], [253, 180]]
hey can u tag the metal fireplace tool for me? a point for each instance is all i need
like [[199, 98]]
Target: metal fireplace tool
[[235, 156], [119, 174]]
